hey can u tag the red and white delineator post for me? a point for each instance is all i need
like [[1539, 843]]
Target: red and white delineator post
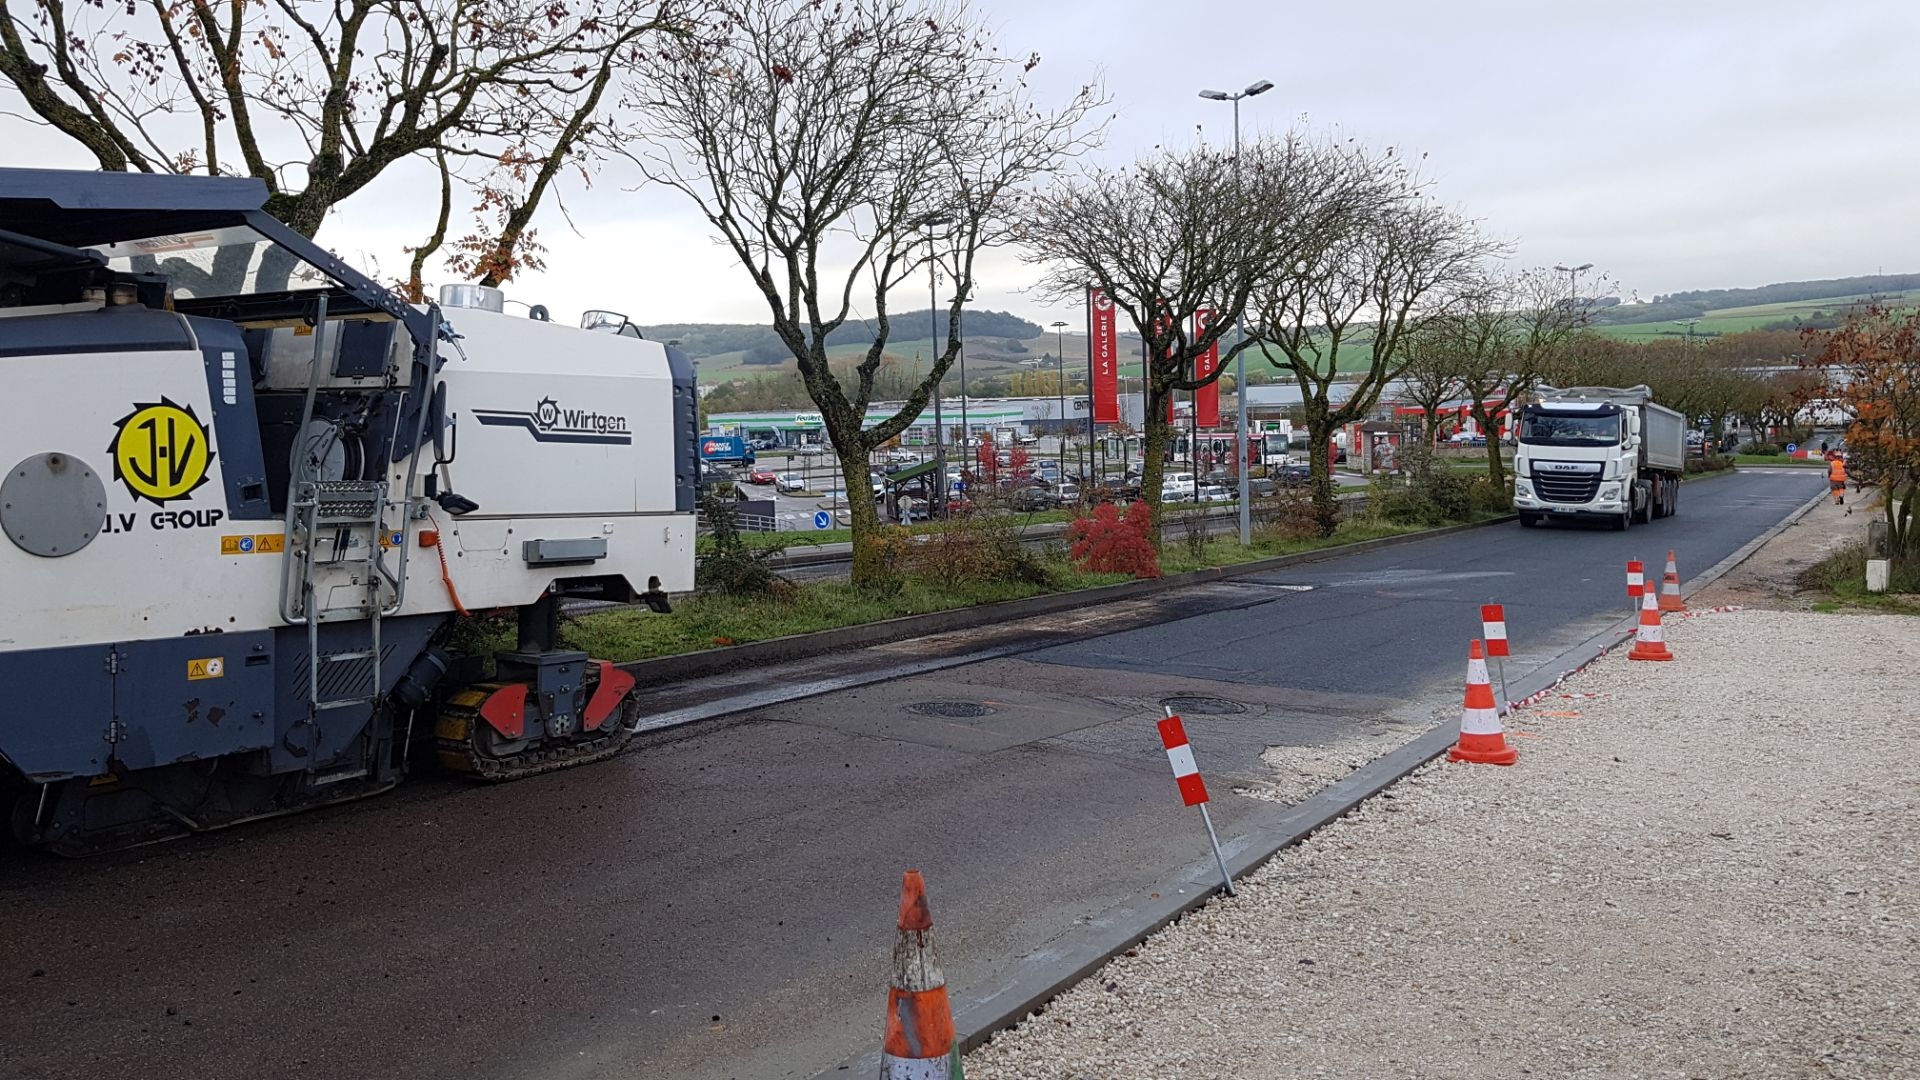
[[1193, 790], [1636, 584], [1493, 624]]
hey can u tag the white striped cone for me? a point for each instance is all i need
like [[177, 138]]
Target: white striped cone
[[1670, 587], [1482, 737], [919, 1038], [1648, 641]]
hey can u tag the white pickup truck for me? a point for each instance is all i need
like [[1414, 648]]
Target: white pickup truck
[[1597, 451]]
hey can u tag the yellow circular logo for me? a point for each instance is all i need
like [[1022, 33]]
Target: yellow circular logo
[[161, 452]]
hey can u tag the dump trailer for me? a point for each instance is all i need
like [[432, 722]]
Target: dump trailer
[[1598, 452], [250, 493]]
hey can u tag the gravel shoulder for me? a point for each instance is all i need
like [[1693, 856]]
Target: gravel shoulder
[[1709, 868]]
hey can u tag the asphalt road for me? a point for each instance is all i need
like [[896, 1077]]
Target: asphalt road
[[719, 902]]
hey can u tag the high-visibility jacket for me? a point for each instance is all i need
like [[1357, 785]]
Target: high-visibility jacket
[[1837, 472]]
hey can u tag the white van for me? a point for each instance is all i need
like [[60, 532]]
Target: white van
[[1177, 485]]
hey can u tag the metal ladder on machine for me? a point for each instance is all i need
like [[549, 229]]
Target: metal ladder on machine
[[334, 534]]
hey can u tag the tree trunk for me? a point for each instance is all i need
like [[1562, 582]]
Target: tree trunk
[[869, 567], [1153, 466], [1496, 468], [1326, 511], [1430, 427]]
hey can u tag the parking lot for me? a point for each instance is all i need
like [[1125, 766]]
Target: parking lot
[[802, 487]]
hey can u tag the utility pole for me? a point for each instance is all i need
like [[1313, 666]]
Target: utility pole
[[1240, 358], [1060, 371]]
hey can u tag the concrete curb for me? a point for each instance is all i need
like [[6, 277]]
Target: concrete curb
[[800, 646], [1045, 976]]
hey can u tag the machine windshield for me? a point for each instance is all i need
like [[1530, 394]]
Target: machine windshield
[[231, 261], [1570, 429]]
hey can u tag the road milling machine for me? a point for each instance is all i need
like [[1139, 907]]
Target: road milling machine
[[249, 493]]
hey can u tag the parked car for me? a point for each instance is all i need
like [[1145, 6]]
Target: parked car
[[1291, 476], [760, 476], [1067, 494], [1215, 493], [812, 449], [1030, 498], [1463, 438]]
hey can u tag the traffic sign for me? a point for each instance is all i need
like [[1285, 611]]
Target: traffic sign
[[822, 519], [1791, 447]]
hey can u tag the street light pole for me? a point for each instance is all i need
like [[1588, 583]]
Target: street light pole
[[1240, 358], [1060, 369], [1573, 280], [933, 319]]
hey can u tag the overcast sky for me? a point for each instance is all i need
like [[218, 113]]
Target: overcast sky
[[1676, 144]]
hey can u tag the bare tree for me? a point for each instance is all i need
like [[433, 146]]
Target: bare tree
[[1430, 377], [1180, 232], [1342, 315], [318, 100], [1512, 332], [838, 149]]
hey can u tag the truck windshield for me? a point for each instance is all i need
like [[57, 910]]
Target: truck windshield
[[1570, 429]]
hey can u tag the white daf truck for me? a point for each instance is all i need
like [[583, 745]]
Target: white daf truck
[[1598, 452]]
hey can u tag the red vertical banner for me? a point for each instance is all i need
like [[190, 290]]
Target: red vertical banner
[[1206, 400], [1106, 359]]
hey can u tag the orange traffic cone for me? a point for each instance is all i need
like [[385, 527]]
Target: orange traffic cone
[[1648, 643], [1482, 739], [1670, 587], [919, 1040]]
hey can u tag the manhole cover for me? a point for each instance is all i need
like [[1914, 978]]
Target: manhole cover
[[1203, 706], [951, 710]]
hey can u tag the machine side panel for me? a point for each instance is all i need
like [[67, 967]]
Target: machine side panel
[[188, 698], [55, 707], [557, 421], [162, 565], [331, 737], [243, 471]]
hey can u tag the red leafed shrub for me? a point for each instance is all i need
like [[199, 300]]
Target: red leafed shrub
[[1109, 542]]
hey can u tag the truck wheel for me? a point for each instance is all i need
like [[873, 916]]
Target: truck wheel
[[1657, 500], [1528, 521], [1673, 499], [1621, 523]]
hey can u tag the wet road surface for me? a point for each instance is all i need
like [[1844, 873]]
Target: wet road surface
[[719, 902]]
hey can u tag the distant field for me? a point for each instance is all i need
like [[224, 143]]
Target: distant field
[[1738, 319]]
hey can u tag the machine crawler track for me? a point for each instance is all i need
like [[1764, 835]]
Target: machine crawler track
[[460, 736]]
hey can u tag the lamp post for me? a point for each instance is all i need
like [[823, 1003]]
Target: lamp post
[[1060, 368], [933, 319], [1573, 280], [1240, 358]]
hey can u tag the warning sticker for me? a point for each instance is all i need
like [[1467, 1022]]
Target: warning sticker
[[257, 544], [212, 667]]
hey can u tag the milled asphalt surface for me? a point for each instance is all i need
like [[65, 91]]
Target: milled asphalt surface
[[719, 902]]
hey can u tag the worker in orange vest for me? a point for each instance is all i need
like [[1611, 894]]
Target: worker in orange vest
[[1837, 480]]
